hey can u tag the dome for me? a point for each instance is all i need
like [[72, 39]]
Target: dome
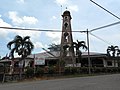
[[66, 13]]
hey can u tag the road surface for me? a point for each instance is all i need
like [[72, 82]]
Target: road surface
[[104, 82]]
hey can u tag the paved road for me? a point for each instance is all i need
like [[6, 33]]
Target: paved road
[[105, 82]]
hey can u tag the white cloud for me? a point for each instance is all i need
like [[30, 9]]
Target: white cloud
[[61, 2], [27, 33], [3, 32], [69, 4], [29, 20], [55, 37], [25, 20], [54, 17], [14, 17], [20, 1], [4, 24], [34, 36], [73, 8], [38, 45]]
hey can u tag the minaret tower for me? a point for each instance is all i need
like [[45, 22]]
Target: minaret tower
[[67, 51]]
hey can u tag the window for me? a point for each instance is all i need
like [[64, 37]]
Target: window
[[109, 63], [16, 64], [65, 18], [66, 25]]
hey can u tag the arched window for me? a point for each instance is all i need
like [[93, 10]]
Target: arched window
[[66, 18], [66, 36], [66, 25]]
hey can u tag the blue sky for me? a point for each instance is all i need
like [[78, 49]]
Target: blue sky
[[46, 14]]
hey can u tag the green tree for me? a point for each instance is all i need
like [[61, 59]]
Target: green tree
[[22, 46], [118, 52], [54, 47], [78, 45], [112, 50]]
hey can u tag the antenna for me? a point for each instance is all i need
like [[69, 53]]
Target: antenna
[[66, 8], [61, 9], [61, 13]]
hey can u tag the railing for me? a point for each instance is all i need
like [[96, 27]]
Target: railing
[[5, 70], [10, 70]]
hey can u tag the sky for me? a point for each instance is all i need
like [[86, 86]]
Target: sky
[[46, 14]]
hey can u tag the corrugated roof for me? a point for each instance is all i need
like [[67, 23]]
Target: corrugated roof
[[54, 54]]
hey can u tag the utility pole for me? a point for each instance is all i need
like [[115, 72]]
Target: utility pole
[[89, 61], [34, 64]]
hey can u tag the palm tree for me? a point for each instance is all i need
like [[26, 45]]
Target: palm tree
[[22, 46], [118, 52], [112, 49], [77, 45]]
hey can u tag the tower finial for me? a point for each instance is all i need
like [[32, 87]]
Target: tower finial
[[66, 8], [61, 9]]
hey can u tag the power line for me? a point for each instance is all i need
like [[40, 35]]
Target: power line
[[107, 12], [105, 9], [101, 39], [49, 52], [13, 28], [43, 30], [58, 30], [112, 24]]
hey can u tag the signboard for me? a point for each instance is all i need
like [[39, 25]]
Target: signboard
[[40, 61]]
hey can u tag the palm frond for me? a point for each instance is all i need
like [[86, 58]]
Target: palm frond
[[26, 38], [22, 46]]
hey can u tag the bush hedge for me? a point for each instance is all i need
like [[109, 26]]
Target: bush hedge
[[52, 70], [85, 70], [29, 72], [39, 71], [70, 70]]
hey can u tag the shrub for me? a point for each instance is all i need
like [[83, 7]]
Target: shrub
[[29, 72], [84, 70], [97, 70], [67, 70], [118, 69], [115, 70], [39, 72], [74, 70], [52, 70], [104, 70]]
